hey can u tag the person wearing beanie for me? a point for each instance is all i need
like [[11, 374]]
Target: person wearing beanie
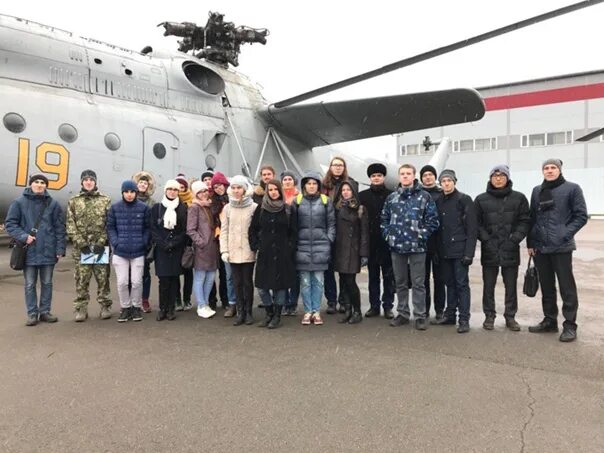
[[129, 236], [290, 192], [503, 223], [373, 200], [87, 229], [235, 245], [408, 219], [428, 180], [558, 212], [200, 228], [226, 289], [206, 177], [456, 247], [35, 221], [169, 235]]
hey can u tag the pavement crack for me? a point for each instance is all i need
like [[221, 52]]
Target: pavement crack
[[531, 408]]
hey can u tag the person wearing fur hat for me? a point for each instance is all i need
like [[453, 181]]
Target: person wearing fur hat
[[129, 235], [289, 181], [226, 289], [235, 246], [373, 200], [558, 212], [503, 223], [456, 238], [169, 233], [145, 183], [273, 235], [36, 221], [186, 197], [200, 228], [87, 229]]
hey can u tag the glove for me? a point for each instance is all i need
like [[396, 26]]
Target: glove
[[98, 249], [364, 261], [466, 260], [86, 250], [225, 257]]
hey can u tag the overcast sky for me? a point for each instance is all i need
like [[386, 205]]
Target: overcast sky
[[314, 43]]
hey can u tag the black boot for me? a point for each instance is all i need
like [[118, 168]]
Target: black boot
[[249, 319], [276, 321], [545, 326], [347, 315], [240, 319], [356, 317], [568, 334], [270, 312], [161, 315]]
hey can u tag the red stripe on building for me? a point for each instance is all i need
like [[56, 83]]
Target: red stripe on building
[[568, 94]]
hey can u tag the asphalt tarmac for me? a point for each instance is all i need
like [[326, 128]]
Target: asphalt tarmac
[[203, 385]]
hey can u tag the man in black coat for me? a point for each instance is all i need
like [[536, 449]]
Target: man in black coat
[[379, 255], [503, 222], [428, 178], [456, 246], [558, 212]]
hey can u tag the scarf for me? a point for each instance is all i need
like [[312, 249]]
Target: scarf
[[170, 214], [245, 201], [377, 187], [186, 197], [499, 193], [546, 197], [351, 203], [270, 205]]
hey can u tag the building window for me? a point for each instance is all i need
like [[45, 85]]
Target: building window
[[409, 150], [559, 138], [547, 139], [466, 145], [456, 146], [482, 144]]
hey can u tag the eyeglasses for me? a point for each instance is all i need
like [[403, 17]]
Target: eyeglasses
[[498, 175], [337, 165]]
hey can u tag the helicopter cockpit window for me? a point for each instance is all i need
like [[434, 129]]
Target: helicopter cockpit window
[[14, 122], [159, 150], [203, 78]]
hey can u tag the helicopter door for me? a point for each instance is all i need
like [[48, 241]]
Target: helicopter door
[[159, 149]]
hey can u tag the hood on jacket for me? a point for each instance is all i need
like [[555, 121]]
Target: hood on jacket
[[310, 175], [355, 193], [137, 177]]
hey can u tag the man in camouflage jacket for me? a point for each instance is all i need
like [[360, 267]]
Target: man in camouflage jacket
[[87, 228]]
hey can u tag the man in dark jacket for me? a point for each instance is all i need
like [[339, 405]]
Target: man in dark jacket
[[373, 200], [503, 222], [266, 174], [428, 176], [408, 219], [456, 246], [558, 212], [37, 220]]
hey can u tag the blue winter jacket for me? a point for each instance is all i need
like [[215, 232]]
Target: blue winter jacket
[[128, 228], [553, 230], [50, 238], [408, 219]]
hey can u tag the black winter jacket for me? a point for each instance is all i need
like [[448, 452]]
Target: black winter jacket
[[503, 222], [169, 244], [436, 192], [553, 230], [458, 226], [373, 200]]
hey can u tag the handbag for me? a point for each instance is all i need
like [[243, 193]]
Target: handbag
[[531, 280], [19, 249], [188, 257]]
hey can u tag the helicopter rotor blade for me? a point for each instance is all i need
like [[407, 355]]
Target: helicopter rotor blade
[[591, 135], [436, 52]]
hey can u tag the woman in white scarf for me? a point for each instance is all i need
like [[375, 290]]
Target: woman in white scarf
[[172, 187]]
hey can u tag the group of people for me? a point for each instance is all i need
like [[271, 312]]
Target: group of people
[[287, 242]]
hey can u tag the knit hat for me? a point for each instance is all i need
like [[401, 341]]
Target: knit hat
[[289, 173], [552, 161], [198, 186], [240, 180], [172, 184], [182, 180], [219, 178], [376, 168], [129, 185], [504, 169], [36, 177], [207, 174], [88, 174], [427, 168], [447, 173]]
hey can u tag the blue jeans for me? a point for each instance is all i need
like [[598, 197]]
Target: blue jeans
[[31, 297], [202, 285], [458, 289], [230, 286], [291, 298], [267, 298], [311, 288]]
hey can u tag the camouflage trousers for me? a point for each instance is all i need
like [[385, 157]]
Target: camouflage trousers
[[83, 273]]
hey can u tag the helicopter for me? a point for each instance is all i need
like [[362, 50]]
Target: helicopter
[[71, 103]]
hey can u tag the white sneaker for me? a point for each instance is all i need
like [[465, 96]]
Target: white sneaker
[[205, 312]]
